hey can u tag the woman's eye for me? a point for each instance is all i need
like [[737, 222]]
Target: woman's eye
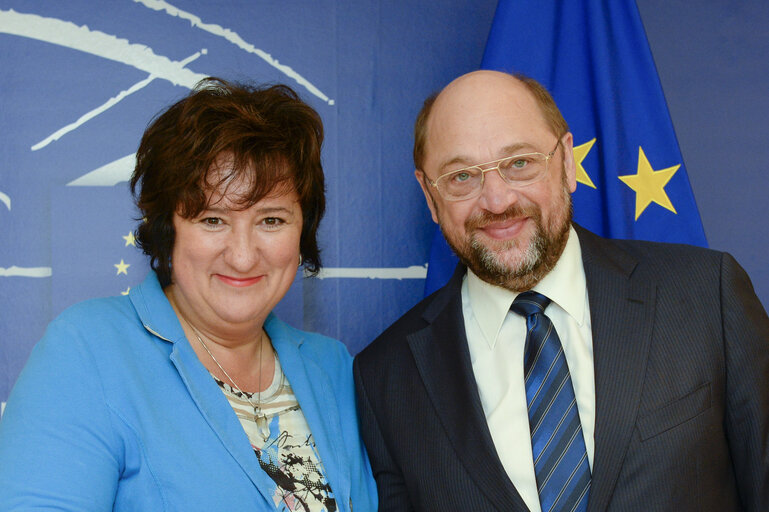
[[273, 221], [212, 221]]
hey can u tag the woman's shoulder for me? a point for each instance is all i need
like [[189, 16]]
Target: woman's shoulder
[[106, 311], [94, 325], [80, 344]]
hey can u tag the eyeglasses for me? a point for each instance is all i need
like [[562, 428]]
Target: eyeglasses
[[517, 170]]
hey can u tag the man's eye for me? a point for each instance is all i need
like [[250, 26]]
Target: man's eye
[[515, 163], [212, 221], [461, 177]]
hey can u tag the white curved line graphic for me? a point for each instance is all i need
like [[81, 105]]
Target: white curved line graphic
[[106, 106], [412, 272], [234, 38], [15, 271], [94, 42], [107, 175], [6, 200]]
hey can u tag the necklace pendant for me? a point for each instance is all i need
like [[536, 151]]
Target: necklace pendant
[[261, 425]]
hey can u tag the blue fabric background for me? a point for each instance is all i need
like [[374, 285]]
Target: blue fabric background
[[377, 61]]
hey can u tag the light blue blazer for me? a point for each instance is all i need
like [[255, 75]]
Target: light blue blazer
[[114, 411]]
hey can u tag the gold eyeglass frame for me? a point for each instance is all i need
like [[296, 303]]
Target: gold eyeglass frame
[[493, 167]]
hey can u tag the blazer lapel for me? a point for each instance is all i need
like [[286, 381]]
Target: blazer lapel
[[159, 318], [622, 312], [443, 360], [313, 390], [219, 414]]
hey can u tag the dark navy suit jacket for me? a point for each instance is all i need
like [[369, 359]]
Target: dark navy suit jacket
[[681, 355]]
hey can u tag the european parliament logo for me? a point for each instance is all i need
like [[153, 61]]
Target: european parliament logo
[[69, 37], [81, 81]]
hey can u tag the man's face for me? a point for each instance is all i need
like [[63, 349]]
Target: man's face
[[509, 237]]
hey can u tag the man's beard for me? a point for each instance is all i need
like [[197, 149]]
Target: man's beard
[[539, 258]]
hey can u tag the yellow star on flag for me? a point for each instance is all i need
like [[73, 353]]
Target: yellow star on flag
[[580, 152], [649, 185], [122, 267], [126, 291], [129, 239]]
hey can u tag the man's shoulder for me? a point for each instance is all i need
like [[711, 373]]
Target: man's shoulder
[[394, 340], [661, 256]]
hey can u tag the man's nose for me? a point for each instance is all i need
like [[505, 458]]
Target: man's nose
[[497, 195]]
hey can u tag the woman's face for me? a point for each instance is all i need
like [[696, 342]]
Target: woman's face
[[230, 266]]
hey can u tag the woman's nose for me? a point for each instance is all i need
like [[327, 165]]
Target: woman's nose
[[242, 250]]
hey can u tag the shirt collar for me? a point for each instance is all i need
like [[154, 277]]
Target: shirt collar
[[154, 310], [564, 285]]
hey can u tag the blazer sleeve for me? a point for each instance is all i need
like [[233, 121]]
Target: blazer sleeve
[[391, 486], [746, 340], [57, 445]]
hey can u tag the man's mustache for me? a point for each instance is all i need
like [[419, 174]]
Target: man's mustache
[[513, 212]]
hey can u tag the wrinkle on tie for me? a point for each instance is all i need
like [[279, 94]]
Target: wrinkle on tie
[[529, 304]]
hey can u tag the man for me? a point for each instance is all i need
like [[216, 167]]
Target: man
[[558, 370]]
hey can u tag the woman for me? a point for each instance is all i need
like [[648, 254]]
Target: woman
[[189, 394]]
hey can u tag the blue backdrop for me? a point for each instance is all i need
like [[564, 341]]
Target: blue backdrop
[[81, 80]]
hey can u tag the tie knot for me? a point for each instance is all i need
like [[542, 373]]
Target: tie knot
[[530, 303]]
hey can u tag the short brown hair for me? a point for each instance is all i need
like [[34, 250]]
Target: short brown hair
[[273, 138], [547, 106], [553, 117], [420, 130]]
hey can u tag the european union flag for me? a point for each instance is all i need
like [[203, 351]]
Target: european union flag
[[594, 58]]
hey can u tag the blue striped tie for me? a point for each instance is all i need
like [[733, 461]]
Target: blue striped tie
[[558, 447]]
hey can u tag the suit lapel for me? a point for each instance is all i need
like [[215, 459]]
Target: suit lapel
[[622, 306], [443, 360]]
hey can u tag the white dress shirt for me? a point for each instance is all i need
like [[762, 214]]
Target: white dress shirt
[[496, 337]]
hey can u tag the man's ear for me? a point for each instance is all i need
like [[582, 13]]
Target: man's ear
[[569, 165], [422, 179]]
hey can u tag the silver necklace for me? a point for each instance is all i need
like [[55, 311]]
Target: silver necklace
[[259, 417]]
